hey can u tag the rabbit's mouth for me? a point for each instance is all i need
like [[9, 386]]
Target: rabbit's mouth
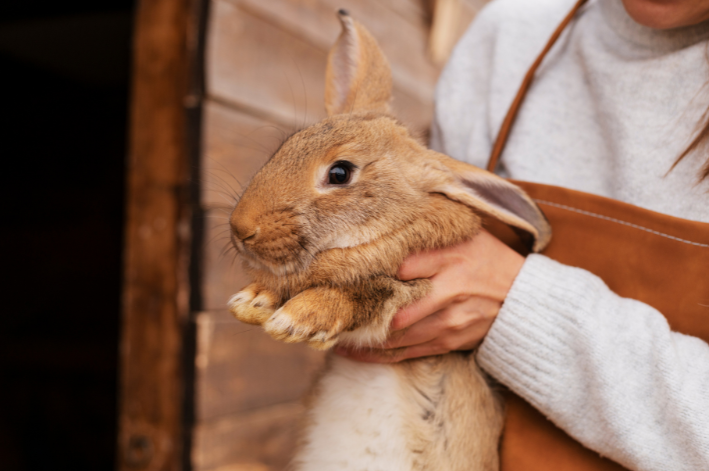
[[280, 254], [274, 241]]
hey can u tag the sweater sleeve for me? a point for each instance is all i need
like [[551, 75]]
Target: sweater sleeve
[[608, 370]]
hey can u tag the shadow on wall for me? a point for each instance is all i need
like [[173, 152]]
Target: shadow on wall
[[63, 126]]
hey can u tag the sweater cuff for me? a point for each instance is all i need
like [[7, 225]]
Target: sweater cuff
[[531, 342]]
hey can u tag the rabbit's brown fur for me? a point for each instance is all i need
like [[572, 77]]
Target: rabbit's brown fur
[[291, 255], [324, 254]]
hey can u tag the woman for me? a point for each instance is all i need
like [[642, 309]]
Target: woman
[[616, 102]]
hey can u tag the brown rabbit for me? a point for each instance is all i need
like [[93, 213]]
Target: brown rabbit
[[323, 228]]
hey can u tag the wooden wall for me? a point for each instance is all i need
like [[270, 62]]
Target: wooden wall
[[265, 67]]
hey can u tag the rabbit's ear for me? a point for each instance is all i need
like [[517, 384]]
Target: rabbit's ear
[[493, 196], [358, 76]]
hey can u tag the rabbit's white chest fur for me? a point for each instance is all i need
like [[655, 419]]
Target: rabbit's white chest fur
[[357, 421], [434, 414]]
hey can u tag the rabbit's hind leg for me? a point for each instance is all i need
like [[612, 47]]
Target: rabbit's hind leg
[[451, 413]]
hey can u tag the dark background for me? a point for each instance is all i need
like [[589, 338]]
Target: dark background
[[65, 83]]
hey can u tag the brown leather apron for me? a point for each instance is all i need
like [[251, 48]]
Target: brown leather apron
[[658, 259]]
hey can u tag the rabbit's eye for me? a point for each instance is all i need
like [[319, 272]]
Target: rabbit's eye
[[340, 173]]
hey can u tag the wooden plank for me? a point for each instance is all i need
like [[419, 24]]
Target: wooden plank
[[240, 368], [263, 440], [404, 43], [221, 272], [155, 293], [450, 20], [475, 6], [274, 68], [242, 467], [415, 114], [415, 11], [259, 67], [235, 146]]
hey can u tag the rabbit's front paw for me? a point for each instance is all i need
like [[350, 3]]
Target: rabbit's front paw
[[316, 316], [253, 304]]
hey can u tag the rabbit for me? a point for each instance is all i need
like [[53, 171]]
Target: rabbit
[[322, 229]]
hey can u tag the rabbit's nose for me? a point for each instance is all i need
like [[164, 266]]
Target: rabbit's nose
[[244, 234], [243, 226]]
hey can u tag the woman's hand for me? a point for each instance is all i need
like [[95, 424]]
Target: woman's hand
[[470, 282]]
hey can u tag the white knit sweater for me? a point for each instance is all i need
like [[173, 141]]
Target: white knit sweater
[[613, 106]]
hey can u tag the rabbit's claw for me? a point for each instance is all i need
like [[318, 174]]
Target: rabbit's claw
[[311, 317], [253, 304]]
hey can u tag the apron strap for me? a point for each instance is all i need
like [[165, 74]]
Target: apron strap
[[514, 108]]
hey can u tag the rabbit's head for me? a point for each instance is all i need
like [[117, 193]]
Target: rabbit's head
[[359, 174]]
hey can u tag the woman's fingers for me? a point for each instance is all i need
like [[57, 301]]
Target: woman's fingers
[[393, 355], [376, 355], [448, 288], [460, 324], [422, 331], [420, 265], [449, 269], [469, 282], [420, 309], [458, 327]]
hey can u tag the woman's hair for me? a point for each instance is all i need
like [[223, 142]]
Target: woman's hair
[[701, 140]]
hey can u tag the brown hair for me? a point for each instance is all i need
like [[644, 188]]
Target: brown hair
[[699, 141]]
